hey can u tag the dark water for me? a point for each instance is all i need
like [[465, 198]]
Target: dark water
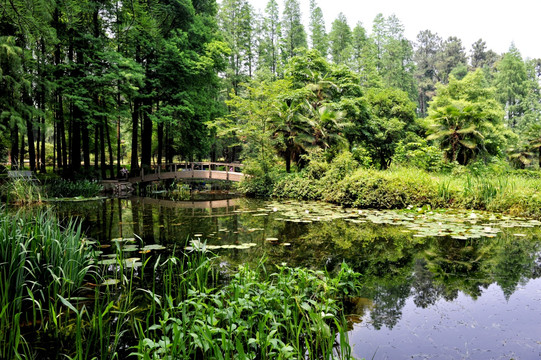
[[422, 297]]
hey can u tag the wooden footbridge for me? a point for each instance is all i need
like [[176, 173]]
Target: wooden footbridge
[[191, 170]]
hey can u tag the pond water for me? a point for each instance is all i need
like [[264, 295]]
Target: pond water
[[436, 285]]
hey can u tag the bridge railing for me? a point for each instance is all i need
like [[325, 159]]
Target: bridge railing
[[194, 167]]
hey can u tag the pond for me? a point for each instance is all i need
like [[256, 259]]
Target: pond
[[436, 284]]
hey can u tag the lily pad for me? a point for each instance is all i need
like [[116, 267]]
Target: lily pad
[[110, 282], [153, 247]]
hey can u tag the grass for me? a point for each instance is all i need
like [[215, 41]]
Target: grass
[[21, 191], [58, 302], [58, 188]]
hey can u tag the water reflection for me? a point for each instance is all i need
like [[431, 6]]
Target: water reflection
[[406, 279]]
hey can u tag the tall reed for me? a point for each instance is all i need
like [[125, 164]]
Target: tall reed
[[40, 262]]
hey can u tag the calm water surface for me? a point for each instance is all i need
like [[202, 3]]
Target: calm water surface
[[423, 297]]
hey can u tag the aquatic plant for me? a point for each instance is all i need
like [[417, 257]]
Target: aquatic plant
[[60, 188], [289, 314], [21, 191], [40, 262]]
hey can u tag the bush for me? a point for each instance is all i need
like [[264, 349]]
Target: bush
[[261, 175], [298, 186], [396, 188]]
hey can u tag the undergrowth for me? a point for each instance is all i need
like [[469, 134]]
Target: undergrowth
[[58, 302], [342, 182]]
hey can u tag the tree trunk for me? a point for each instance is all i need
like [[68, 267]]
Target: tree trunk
[[21, 152], [118, 143], [160, 141], [287, 158], [96, 147], [77, 124], [86, 146], [43, 168], [110, 148], [31, 148], [102, 152], [14, 147], [134, 134], [146, 134]]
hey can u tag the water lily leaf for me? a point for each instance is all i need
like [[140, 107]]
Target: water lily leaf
[[154, 247], [132, 262], [107, 262], [110, 282]]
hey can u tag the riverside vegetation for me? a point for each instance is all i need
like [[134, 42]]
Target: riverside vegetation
[[344, 181], [58, 301]]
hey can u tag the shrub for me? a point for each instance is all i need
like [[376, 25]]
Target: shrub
[[396, 188], [298, 186], [260, 179]]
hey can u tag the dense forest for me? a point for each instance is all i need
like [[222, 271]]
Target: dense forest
[[90, 86]]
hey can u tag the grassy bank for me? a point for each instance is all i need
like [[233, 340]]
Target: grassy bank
[[59, 302], [343, 182], [23, 191]]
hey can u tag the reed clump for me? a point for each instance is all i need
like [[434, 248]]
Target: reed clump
[[40, 263]]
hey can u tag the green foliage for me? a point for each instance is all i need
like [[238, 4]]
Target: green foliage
[[319, 38], [59, 188], [418, 154], [260, 179], [340, 40], [465, 119], [285, 315], [293, 33], [392, 116]]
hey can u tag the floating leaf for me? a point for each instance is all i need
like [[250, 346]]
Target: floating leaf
[[154, 247], [110, 282]]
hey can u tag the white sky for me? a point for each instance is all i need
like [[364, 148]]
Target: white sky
[[497, 22]]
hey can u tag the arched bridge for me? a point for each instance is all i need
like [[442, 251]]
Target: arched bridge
[[191, 170]]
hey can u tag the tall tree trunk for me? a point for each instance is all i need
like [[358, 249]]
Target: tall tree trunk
[[14, 153], [21, 152], [118, 142], [59, 106], [110, 148], [77, 123], [160, 142], [168, 148], [135, 129], [55, 142], [146, 133], [102, 153], [85, 133], [31, 148], [96, 147], [62, 141], [42, 167]]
